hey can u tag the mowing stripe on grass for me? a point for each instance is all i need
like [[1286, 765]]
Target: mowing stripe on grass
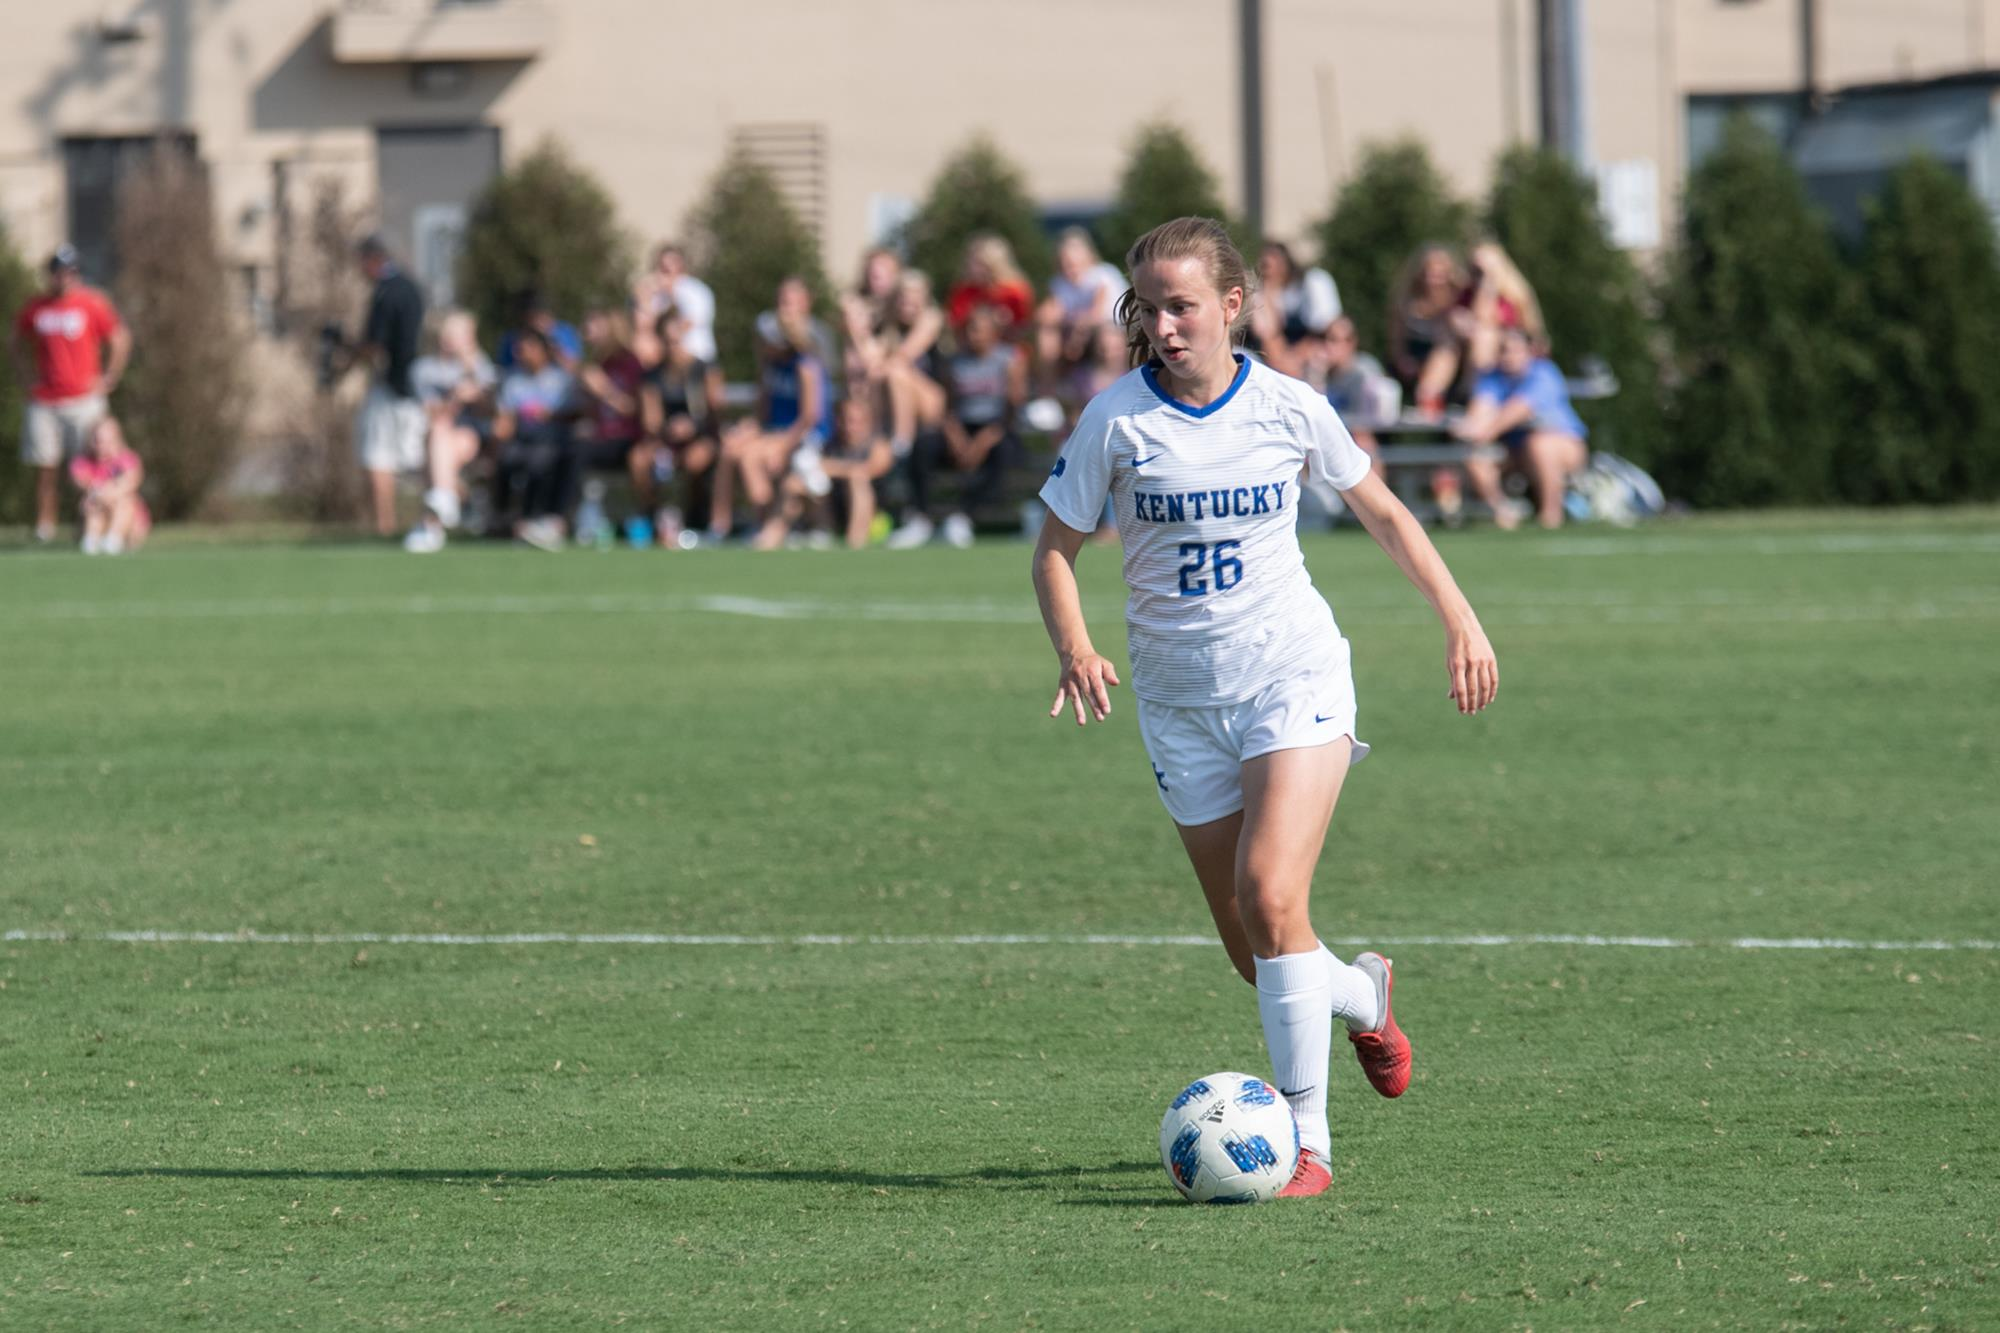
[[1578, 610], [936, 941], [1800, 543]]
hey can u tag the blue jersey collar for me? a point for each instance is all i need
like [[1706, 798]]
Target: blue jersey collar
[[1153, 382]]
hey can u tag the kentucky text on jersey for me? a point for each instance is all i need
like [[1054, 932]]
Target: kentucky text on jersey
[[1230, 502]]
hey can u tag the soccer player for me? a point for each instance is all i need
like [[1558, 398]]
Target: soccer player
[[1246, 702]]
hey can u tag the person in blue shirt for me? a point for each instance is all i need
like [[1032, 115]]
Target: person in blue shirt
[[793, 421], [564, 343], [1523, 403]]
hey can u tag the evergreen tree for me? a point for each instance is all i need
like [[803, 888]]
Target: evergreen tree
[[744, 239], [17, 484], [979, 190], [1755, 305], [543, 226], [1396, 202], [1543, 211], [1931, 293], [1164, 179]]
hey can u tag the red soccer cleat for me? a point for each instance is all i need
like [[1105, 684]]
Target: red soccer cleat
[[1310, 1177], [1384, 1053]]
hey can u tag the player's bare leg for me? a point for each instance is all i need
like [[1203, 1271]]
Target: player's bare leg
[[1211, 848], [1288, 800], [382, 497], [1552, 458], [45, 503]]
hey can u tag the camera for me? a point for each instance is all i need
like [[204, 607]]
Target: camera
[[332, 342]]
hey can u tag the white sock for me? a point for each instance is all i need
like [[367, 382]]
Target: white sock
[[1354, 999], [1295, 995]]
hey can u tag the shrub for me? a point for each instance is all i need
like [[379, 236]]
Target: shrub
[[1544, 212], [1931, 294], [1755, 304], [17, 489], [544, 225], [979, 190], [324, 286], [744, 238], [1396, 202], [1164, 179], [182, 401]]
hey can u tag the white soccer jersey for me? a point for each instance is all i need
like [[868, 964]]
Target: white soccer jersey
[[1207, 502]]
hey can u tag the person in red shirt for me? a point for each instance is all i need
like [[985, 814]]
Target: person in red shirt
[[991, 280], [59, 341]]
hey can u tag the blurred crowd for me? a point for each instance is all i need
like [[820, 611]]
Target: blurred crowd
[[899, 422]]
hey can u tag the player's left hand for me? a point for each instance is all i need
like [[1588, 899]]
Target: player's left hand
[[1474, 672], [1082, 686]]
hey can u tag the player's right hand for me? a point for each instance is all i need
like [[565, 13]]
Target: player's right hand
[[1083, 684]]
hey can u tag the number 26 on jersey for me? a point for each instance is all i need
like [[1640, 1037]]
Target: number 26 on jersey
[[1204, 566]]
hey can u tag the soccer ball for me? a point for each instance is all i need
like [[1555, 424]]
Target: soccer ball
[[1229, 1138]]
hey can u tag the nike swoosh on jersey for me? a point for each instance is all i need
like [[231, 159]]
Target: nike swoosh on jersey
[[1328, 718], [1138, 462]]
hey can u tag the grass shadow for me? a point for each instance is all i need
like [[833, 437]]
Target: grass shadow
[[1047, 1178]]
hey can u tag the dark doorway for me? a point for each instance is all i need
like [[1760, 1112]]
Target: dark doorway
[[427, 178]]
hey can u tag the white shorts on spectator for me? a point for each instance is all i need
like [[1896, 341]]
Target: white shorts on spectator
[[54, 432], [389, 432]]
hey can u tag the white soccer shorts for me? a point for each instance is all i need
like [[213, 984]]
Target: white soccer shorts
[[1198, 753]]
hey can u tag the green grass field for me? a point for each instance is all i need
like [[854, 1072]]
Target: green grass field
[[1768, 728]]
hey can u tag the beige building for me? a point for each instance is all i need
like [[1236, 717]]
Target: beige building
[[415, 102]]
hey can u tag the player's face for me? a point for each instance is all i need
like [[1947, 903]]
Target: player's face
[[1183, 316]]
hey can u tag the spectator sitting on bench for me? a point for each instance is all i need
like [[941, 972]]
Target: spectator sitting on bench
[[611, 435], [985, 383], [1296, 308], [1498, 299], [564, 344], [794, 412], [855, 459], [991, 280], [536, 459], [866, 311], [1424, 341], [455, 384], [1523, 403], [1083, 297], [681, 411], [669, 284], [892, 327], [1357, 386]]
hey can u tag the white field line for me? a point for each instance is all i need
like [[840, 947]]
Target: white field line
[[1583, 608], [951, 941]]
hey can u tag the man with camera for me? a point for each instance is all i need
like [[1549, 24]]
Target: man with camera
[[389, 432]]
